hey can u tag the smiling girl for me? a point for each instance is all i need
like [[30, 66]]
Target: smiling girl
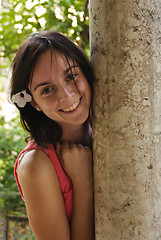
[[51, 86]]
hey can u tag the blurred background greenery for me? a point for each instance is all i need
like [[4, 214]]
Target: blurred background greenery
[[19, 18]]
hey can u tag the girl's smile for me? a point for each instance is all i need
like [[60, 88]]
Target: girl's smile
[[60, 89], [71, 108]]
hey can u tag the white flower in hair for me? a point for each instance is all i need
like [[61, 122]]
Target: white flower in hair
[[21, 98]]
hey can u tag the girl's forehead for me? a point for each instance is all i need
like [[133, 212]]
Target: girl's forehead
[[55, 59], [51, 60]]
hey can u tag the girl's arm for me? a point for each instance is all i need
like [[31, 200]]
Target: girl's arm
[[77, 162], [43, 197]]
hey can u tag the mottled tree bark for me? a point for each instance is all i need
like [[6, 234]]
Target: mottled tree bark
[[125, 54]]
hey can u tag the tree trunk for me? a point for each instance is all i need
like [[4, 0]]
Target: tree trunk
[[125, 55]]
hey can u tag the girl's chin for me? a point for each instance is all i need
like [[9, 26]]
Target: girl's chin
[[82, 120], [76, 122]]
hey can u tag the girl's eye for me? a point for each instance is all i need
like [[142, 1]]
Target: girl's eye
[[72, 77], [47, 90]]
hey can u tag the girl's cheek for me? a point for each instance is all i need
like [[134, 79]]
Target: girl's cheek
[[47, 104], [83, 85]]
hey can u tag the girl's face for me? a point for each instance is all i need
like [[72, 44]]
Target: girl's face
[[60, 89]]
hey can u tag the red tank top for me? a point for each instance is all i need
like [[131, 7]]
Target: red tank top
[[64, 180]]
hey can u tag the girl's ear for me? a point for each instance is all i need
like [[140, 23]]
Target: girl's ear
[[35, 105]]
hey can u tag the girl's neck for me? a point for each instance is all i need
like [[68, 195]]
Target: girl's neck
[[78, 134]]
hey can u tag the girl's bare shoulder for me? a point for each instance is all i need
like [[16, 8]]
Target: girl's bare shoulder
[[35, 164]]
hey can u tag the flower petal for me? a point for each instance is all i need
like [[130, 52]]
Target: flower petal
[[28, 97], [21, 103]]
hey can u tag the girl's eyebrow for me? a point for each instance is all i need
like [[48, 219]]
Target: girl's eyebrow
[[46, 83], [70, 68], [40, 85]]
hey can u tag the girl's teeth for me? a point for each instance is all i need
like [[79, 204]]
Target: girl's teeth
[[75, 105]]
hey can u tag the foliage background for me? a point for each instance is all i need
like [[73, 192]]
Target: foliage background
[[17, 20]]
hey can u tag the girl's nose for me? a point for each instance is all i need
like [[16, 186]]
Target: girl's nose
[[65, 92]]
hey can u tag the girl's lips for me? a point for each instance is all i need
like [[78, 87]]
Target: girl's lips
[[71, 108]]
